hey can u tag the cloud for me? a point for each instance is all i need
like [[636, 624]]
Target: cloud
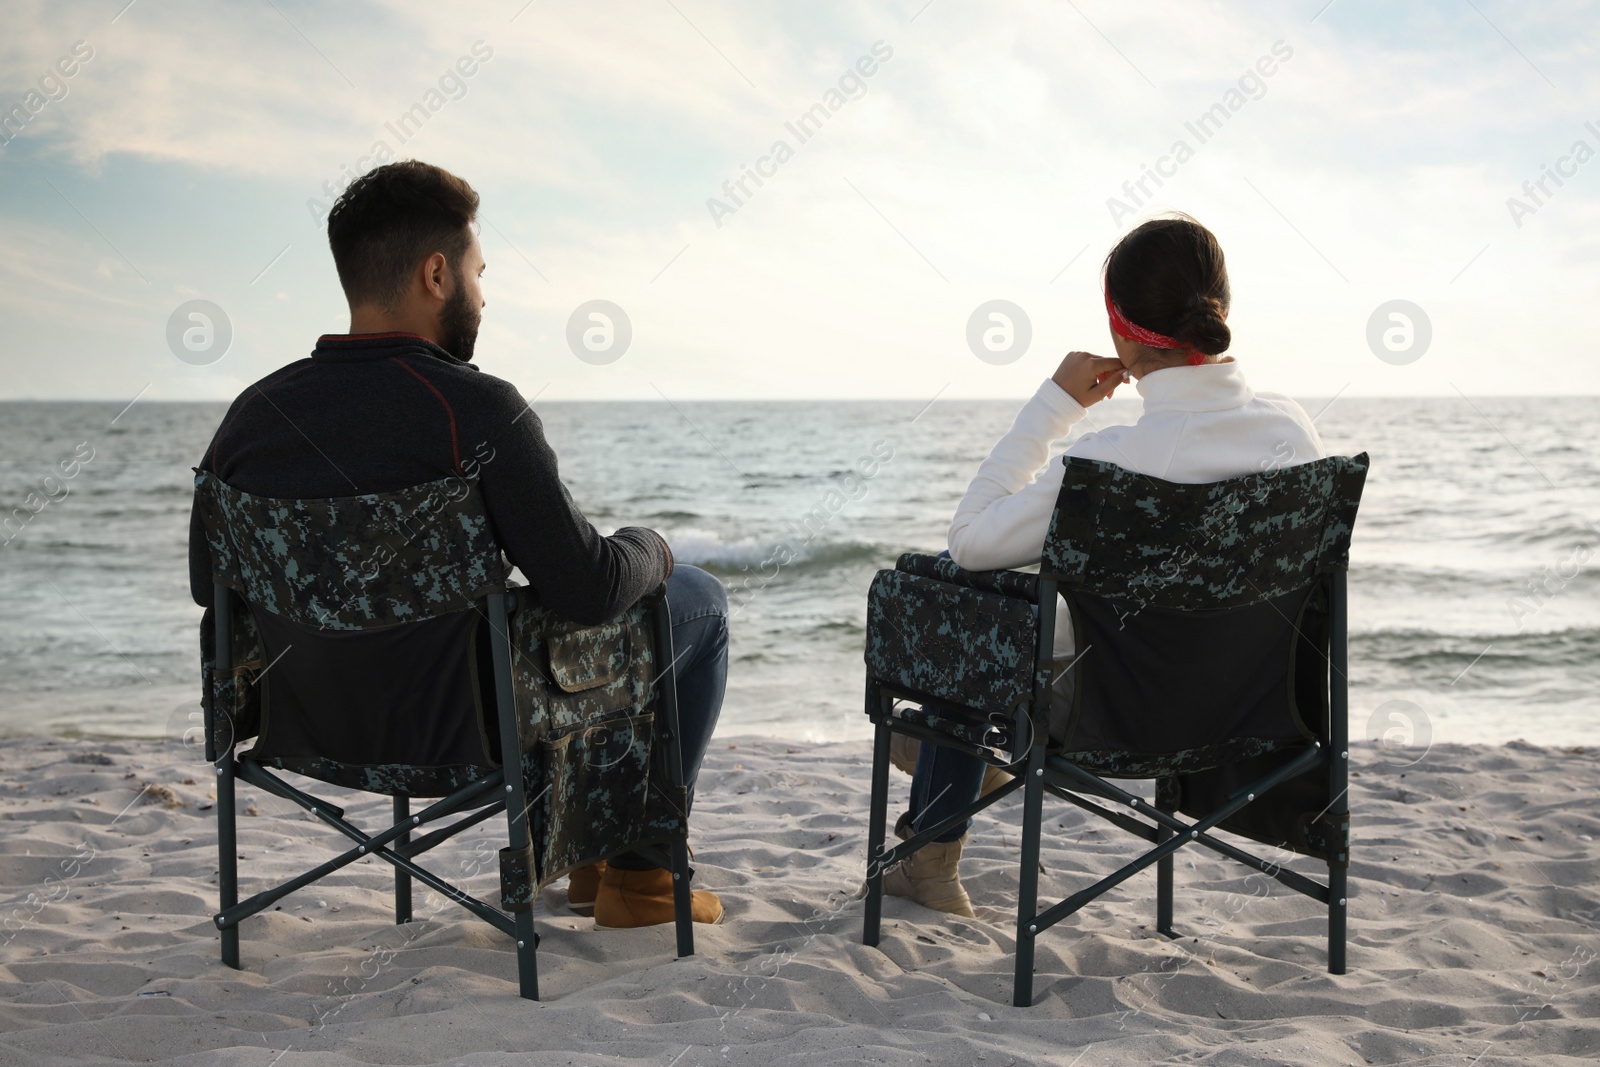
[[978, 164]]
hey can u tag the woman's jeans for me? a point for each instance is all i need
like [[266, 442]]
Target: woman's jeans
[[945, 782], [698, 607]]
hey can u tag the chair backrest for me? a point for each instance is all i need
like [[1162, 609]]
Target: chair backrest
[[1201, 605], [367, 612], [1117, 533], [353, 563]]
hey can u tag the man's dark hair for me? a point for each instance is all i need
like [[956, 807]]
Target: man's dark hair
[[390, 219]]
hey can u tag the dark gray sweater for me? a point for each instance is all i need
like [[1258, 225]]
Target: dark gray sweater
[[374, 413]]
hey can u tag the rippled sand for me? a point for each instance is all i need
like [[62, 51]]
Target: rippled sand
[[1475, 923]]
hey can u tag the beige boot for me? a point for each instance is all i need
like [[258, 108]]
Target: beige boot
[[903, 749], [931, 876], [994, 778]]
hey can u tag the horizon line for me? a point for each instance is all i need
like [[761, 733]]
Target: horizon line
[[1018, 397]]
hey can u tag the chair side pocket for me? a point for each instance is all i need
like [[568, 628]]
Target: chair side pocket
[[964, 647], [596, 781]]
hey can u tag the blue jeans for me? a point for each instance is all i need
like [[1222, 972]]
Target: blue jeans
[[698, 606], [945, 781]]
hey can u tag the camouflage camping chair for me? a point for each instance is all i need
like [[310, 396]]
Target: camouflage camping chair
[[371, 642], [1210, 627]]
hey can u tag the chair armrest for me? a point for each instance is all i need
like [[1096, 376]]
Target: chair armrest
[[966, 647], [943, 569]]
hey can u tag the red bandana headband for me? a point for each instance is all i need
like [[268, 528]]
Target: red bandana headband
[[1123, 327]]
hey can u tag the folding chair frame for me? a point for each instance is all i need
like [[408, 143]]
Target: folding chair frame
[[1042, 772], [483, 798]]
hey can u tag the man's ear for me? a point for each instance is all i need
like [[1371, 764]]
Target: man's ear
[[436, 276]]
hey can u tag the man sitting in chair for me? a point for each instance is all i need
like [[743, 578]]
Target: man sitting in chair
[[397, 402], [1166, 295]]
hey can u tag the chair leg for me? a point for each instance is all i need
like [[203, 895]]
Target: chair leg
[[1338, 913], [1164, 892], [682, 902], [1028, 883], [527, 955], [227, 856], [517, 808], [876, 831], [1164, 866], [402, 880], [1338, 765]]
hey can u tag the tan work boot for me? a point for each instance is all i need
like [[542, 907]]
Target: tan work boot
[[582, 886], [994, 778], [903, 751], [630, 899], [931, 876]]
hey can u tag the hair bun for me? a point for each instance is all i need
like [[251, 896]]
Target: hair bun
[[1203, 324]]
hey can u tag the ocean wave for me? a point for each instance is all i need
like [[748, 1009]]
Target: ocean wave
[[1566, 536], [1524, 675], [708, 549], [1492, 577], [1556, 649], [1386, 577], [45, 544]]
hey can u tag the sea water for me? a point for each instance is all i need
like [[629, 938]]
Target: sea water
[[1474, 606]]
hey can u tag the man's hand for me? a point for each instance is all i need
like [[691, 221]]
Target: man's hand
[[1088, 378]]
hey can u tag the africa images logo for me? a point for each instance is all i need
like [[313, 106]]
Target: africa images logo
[[52, 87]]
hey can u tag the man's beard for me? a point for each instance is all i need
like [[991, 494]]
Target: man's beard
[[458, 324]]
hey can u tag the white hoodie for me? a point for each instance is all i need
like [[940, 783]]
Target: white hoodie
[[1200, 424]]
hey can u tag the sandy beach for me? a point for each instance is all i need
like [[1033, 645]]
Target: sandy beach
[[1474, 939]]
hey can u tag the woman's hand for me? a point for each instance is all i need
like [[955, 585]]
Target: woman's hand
[[1088, 378]]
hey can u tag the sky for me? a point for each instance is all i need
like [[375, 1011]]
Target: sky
[[1358, 154]]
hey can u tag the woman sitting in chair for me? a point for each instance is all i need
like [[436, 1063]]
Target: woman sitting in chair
[[1166, 292]]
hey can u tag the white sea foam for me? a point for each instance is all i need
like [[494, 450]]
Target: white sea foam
[[707, 548]]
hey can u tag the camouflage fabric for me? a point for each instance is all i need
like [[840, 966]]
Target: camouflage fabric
[[958, 723], [586, 701], [944, 569], [1128, 536], [517, 878], [390, 779], [958, 645], [349, 563], [1183, 761]]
